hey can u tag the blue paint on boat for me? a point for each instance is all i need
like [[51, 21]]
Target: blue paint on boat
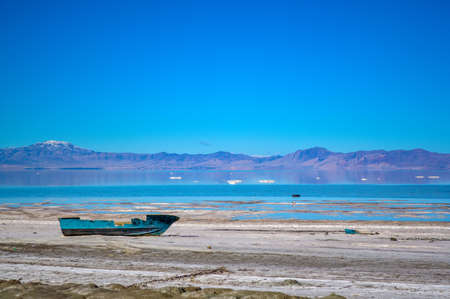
[[154, 225], [351, 231]]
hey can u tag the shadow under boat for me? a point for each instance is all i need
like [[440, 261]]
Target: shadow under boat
[[153, 225]]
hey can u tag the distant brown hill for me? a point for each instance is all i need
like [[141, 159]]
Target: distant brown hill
[[58, 154]]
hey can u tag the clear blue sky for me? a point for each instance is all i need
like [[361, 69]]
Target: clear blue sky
[[259, 77]]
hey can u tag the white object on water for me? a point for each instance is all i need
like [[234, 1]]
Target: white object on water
[[266, 181], [175, 178], [363, 179], [234, 182], [434, 177], [420, 177]]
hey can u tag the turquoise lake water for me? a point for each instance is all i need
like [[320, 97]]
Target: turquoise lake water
[[321, 202], [360, 195]]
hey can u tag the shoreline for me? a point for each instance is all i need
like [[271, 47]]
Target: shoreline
[[16, 288], [316, 258], [291, 211]]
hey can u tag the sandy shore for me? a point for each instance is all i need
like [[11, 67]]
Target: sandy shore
[[18, 289], [302, 258]]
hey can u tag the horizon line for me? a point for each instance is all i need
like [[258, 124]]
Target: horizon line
[[59, 142]]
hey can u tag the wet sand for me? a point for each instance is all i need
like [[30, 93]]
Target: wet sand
[[301, 258], [387, 210]]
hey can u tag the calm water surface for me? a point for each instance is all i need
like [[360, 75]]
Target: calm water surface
[[323, 202], [44, 177]]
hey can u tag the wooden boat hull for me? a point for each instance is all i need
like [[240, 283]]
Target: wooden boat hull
[[154, 225], [112, 232]]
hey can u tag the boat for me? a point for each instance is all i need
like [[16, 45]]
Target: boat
[[153, 225], [266, 181], [234, 182]]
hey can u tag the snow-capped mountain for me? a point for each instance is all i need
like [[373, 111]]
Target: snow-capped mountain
[[61, 154]]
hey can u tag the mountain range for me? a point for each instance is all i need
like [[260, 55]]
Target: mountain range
[[60, 154]]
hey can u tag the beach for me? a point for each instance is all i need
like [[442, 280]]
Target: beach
[[300, 258], [225, 149]]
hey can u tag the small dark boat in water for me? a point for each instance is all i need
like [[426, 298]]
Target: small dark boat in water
[[295, 195], [154, 225]]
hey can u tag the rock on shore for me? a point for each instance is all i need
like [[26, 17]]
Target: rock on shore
[[16, 289]]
